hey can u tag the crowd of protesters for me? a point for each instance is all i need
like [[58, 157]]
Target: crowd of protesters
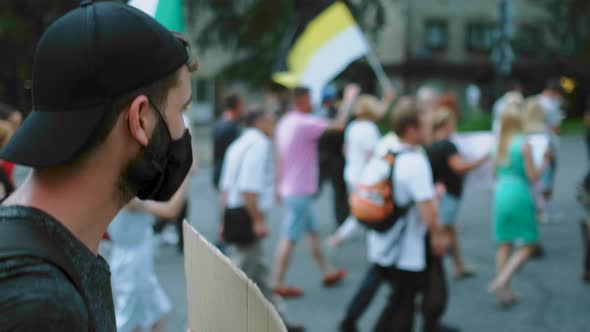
[[144, 158], [328, 144]]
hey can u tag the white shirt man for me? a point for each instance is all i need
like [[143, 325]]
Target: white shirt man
[[403, 245], [405, 259], [249, 167], [248, 181]]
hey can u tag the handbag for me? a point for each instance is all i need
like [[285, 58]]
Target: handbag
[[237, 223]]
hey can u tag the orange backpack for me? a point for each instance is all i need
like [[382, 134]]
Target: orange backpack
[[374, 205]]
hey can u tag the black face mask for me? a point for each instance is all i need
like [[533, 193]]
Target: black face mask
[[162, 168]]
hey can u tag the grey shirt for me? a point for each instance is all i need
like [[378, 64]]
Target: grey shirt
[[37, 296]]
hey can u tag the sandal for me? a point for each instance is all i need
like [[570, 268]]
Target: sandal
[[331, 279], [288, 292]]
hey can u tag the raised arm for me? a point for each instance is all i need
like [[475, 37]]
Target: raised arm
[[351, 91], [461, 166]]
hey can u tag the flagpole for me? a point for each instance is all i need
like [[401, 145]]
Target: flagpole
[[378, 69]]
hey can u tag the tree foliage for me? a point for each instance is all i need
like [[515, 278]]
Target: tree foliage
[[562, 35], [22, 23], [259, 32]]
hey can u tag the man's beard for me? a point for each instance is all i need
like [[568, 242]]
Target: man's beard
[[124, 191]]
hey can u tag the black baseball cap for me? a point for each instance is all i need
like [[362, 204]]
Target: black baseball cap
[[83, 63]]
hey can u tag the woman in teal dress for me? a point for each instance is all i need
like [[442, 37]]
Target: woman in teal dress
[[514, 214]]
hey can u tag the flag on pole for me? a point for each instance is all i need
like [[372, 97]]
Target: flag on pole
[[329, 43], [168, 12]]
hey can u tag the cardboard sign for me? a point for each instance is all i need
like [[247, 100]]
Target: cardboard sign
[[220, 296]]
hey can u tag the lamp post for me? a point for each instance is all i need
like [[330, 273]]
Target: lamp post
[[502, 54]]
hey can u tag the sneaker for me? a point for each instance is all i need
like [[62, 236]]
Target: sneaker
[[288, 292], [294, 328], [347, 326], [538, 252], [447, 328], [333, 278]]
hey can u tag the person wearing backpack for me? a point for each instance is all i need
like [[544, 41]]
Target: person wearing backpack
[[110, 85], [360, 138], [407, 254]]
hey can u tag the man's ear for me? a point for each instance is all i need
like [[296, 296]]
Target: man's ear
[[139, 110]]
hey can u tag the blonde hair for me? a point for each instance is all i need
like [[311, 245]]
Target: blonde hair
[[511, 124], [533, 116], [441, 118], [369, 107]]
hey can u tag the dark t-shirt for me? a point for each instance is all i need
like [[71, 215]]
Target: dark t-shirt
[[438, 154], [224, 133], [36, 295]]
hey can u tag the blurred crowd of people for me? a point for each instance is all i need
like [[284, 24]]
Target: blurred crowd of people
[[261, 167], [264, 157]]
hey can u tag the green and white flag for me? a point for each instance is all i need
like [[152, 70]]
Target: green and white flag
[[168, 12]]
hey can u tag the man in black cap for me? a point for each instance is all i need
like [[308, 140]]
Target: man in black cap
[[110, 85]]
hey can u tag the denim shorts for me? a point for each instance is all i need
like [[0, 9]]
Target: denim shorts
[[547, 178], [448, 209], [299, 218]]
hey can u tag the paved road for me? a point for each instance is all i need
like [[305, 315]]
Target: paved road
[[553, 298]]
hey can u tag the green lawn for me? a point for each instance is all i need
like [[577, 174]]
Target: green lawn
[[476, 122], [573, 126]]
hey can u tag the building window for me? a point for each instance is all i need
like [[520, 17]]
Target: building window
[[479, 37], [436, 34], [202, 90], [529, 39]]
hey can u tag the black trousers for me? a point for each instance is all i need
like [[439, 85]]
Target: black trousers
[[332, 170], [364, 295], [398, 314], [161, 223]]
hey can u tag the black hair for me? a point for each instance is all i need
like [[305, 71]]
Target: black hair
[[553, 84], [253, 115], [514, 85], [232, 101], [6, 110]]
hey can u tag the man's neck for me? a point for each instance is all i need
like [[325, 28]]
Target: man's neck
[[230, 115], [78, 202], [408, 143], [441, 135]]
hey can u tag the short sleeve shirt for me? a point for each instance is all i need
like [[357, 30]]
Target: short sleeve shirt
[[360, 139], [297, 136], [439, 153], [37, 296], [249, 168], [224, 133], [402, 247]]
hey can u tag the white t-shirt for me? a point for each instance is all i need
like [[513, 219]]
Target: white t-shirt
[[412, 183], [360, 139], [552, 108], [540, 143], [389, 142], [248, 167]]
